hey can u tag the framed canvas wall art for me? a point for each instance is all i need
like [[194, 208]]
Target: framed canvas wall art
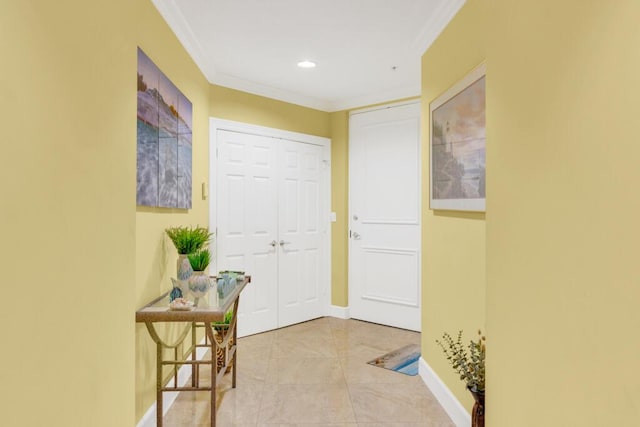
[[457, 145], [163, 140]]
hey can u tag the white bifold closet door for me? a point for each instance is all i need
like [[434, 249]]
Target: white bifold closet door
[[271, 224]]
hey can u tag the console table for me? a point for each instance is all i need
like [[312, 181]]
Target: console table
[[205, 311]]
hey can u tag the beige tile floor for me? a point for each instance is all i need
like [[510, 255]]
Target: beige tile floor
[[316, 374]]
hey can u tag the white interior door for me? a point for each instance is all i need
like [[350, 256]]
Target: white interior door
[[248, 223], [272, 218], [384, 211], [302, 226]]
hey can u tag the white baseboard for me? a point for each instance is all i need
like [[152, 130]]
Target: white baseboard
[[447, 400], [184, 373], [339, 312]]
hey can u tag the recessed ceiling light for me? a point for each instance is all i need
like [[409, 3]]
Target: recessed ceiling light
[[306, 64]]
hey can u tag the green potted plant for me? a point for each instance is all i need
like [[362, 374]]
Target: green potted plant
[[224, 325], [468, 362], [199, 281], [187, 240]]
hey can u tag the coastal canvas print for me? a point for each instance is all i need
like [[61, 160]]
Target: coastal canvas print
[[458, 146], [164, 140]]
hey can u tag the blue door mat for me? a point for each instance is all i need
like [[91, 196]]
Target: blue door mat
[[403, 360]]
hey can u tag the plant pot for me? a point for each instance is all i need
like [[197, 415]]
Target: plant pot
[[477, 415], [199, 284], [221, 353], [183, 267], [183, 272]]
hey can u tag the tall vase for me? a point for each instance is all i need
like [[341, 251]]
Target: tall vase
[[183, 267], [184, 271], [477, 415]]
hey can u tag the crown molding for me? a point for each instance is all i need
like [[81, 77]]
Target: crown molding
[[404, 92], [284, 95], [178, 24], [430, 31], [436, 24], [233, 82]]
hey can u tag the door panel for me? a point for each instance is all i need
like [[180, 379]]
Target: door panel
[[390, 168], [377, 275], [300, 233], [384, 203], [247, 223]]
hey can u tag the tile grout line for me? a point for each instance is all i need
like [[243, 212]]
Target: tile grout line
[[266, 376], [344, 375]]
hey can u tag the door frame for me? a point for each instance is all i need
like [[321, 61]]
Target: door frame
[[216, 124], [351, 295]]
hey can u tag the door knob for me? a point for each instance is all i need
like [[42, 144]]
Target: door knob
[[282, 243], [273, 243], [356, 236]]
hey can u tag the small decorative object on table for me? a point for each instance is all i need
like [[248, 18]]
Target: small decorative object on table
[[176, 292], [227, 280], [199, 282], [181, 304], [470, 366]]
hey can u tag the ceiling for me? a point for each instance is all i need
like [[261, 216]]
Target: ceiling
[[367, 51]]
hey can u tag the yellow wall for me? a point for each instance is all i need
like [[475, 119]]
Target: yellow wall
[[453, 243], [155, 254], [68, 171], [562, 213], [340, 205], [231, 104]]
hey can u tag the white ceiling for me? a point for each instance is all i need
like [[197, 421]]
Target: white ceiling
[[254, 46]]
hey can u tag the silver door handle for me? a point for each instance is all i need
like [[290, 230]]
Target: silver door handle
[[356, 236], [273, 243], [282, 243]]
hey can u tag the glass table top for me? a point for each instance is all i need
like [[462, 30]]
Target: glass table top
[[207, 308]]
